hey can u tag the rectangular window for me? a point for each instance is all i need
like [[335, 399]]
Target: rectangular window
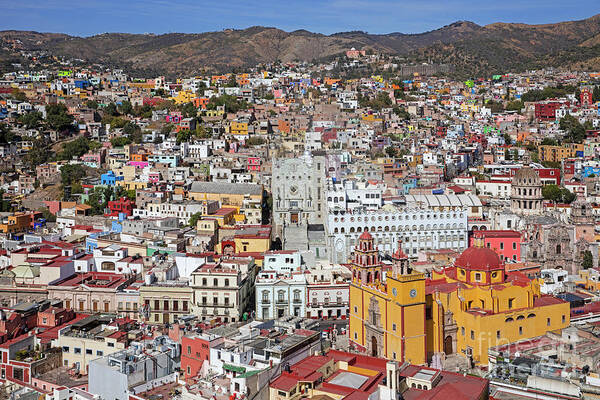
[[65, 349], [88, 351], [394, 327], [462, 330], [472, 335], [510, 303], [77, 350], [497, 334], [520, 330], [564, 319], [99, 353], [547, 321], [110, 344]]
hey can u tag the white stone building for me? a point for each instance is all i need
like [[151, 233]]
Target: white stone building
[[418, 229], [279, 295]]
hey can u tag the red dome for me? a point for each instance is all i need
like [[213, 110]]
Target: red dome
[[479, 258], [365, 236]]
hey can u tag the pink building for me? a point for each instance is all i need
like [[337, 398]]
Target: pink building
[[506, 243]]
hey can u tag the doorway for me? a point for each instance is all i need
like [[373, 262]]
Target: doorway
[[448, 345], [373, 346]]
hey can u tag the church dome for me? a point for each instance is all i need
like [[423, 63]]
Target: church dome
[[365, 236], [526, 176], [479, 258]]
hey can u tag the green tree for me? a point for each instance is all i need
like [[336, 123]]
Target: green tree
[[126, 108], [71, 173], [231, 103], [551, 192], [189, 110], [575, 131], [74, 149], [588, 260], [549, 142], [92, 104], [183, 136], [507, 155], [18, 95], [194, 219], [120, 141], [515, 105], [31, 120], [596, 94], [111, 109], [391, 151], [231, 82], [39, 154], [58, 118], [6, 134]]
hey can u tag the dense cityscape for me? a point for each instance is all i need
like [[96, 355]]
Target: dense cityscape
[[357, 228]]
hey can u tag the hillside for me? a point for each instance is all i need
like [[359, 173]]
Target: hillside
[[474, 49]]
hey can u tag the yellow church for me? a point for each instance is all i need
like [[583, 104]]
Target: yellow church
[[466, 308]]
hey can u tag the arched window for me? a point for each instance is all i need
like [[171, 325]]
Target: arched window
[[509, 319]]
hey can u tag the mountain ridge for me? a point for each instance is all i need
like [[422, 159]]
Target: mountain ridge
[[472, 48]]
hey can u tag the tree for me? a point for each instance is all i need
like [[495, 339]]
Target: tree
[[120, 141], [194, 219], [588, 260], [507, 155], [18, 95], [111, 109], [551, 192], [126, 107], [571, 125], [74, 149], [58, 118], [391, 151], [189, 110], [71, 174], [549, 142], [6, 134], [37, 155], [596, 94], [515, 105], [231, 82], [231, 103], [31, 120], [557, 194], [507, 138], [183, 136], [92, 104], [401, 112]]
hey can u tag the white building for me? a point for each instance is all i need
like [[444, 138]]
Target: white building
[[418, 229], [495, 188], [279, 295], [328, 292]]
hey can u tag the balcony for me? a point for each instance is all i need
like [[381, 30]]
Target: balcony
[[266, 301], [281, 301], [297, 301]]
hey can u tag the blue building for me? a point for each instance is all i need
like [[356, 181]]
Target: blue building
[[110, 179]]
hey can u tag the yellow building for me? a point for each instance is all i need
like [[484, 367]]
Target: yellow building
[[387, 315], [227, 194], [465, 309], [558, 153], [238, 128], [165, 302], [183, 97], [476, 305]]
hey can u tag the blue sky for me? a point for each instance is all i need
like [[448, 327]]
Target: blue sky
[[89, 17]]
